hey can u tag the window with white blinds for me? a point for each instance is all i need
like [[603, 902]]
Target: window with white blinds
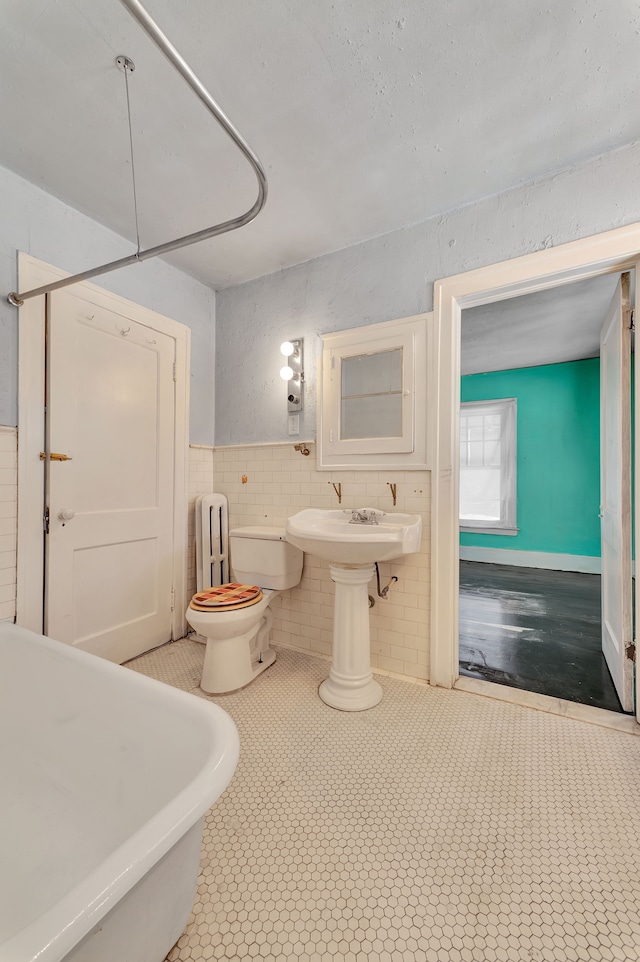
[[488, 465]]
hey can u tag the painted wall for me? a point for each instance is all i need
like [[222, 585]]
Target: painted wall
[[558, 455], [392, 276], [39, 224]]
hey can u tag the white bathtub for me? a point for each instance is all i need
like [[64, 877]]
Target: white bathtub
[[105, 777]]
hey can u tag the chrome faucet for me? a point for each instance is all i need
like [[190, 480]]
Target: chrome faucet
[[364, 516]]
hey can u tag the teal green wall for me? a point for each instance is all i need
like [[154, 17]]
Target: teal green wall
[[558, 455]]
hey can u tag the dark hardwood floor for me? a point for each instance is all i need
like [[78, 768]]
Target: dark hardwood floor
[[534, 629]]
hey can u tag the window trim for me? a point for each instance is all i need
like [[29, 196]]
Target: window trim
[[507, 524]]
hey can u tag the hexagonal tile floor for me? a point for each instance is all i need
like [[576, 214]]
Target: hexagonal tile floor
[[437, 827]]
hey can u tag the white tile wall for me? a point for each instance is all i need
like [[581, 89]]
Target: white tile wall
[[279, 482], [8, 520], [200, 482]]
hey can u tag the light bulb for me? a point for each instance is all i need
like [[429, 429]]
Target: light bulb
[[287, 348], [286, 373]]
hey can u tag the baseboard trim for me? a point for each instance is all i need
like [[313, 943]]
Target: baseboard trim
[[532, 559]]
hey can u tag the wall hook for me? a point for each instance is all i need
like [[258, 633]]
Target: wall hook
[[393, 492], [337, 487], [302, 448]]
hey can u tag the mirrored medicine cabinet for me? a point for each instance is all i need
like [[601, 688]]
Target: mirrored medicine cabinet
[[372, 398]]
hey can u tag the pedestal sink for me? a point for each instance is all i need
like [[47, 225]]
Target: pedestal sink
[[351, 548]]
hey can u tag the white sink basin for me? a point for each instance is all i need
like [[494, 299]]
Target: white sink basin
[[330, 534]]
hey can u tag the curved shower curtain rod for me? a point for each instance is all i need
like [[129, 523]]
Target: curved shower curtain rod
[[163, 43]]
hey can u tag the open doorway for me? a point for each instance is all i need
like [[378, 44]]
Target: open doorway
[[530, 493], [607, 253]]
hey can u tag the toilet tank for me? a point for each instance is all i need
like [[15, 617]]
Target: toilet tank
[[262, 556]]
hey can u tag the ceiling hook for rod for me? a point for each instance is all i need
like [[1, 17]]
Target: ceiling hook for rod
[[125, 64]]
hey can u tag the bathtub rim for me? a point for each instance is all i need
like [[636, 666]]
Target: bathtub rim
[[67, 921]]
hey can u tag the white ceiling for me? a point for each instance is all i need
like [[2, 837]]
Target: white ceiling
[[562, 324], [368, 115]]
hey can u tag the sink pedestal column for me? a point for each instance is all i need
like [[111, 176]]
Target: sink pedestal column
[[350, 685]]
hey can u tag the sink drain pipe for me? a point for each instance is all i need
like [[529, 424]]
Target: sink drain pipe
[[383, 592]]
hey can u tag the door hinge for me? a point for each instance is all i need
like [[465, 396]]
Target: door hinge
[[175, 371], [632, 319], [630, 652], [173, 599], [45, 520]]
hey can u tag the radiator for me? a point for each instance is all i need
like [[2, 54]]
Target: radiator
[[212, 541]]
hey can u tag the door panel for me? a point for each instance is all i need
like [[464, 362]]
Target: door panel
[[636, 479], [615, 491], [109, 567], [115, 378]]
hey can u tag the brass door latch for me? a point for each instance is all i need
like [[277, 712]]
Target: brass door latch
[[54, 456]]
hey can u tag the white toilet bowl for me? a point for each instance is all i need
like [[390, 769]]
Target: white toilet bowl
[[237, 644], [238, 640]]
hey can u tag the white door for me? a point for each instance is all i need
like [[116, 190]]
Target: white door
[[109, 552], [636, 475], [615, 491]]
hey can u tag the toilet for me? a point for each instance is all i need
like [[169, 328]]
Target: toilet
[[237, 632]]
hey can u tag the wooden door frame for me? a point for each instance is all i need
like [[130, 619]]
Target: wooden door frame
[[606, 253], [31, 370]]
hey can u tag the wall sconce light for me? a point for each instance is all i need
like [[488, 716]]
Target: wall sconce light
[[293, 374]]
